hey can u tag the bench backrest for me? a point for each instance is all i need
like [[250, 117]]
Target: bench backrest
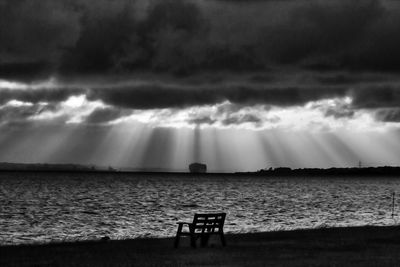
[[209, 222]]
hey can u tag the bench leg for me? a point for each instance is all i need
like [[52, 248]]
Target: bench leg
[[204, 239], [223, 241], [178, 236], [176, 243], [193, 241]]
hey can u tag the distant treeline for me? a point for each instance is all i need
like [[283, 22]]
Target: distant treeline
[[281, 171], [5, 166], [368, 171]]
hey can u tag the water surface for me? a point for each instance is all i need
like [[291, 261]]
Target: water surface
[[56, 206]]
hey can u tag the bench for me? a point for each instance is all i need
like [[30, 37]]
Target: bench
[[203, 226]]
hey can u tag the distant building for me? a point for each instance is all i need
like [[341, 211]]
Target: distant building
[[197, 168], [111, 169]]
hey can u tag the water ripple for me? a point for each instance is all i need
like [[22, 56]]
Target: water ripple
[[57, 207]]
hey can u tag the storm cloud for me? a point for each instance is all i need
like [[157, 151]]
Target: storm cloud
[[388, 115], [156, 96], [104, 115], [39, 95], [197, 53], [369, 92], [186, 37]]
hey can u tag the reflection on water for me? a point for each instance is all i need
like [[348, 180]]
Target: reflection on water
[[56, 207]]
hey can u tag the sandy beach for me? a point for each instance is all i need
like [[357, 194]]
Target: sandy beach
[[350, 246]]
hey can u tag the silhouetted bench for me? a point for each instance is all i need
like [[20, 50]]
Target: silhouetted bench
[[203, 226]]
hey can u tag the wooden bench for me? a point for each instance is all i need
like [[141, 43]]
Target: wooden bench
[[203, 226]]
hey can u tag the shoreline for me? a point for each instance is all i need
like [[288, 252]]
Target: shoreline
[[295, 173], [201, 170], [282, 231], [341, 246]]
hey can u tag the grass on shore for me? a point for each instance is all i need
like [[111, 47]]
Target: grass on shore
[[350, 246]]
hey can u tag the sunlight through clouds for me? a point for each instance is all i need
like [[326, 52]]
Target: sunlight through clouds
[[166, 83], [322, 115], [73, 110], [94, 124]]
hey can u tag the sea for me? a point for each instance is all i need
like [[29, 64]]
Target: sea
[[56, 207]]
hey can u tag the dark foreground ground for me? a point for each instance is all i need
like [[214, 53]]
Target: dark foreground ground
[[358, 246]]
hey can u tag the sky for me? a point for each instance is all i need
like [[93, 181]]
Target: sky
[[237, 85]]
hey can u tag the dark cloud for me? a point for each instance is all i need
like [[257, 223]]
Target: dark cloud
[[166, 40], [25, 71], [229, 114], [348, 78], [102, 42], [339, 113], [16, 113], [388, 115], [38, 95], [383, 100], [186, 37], [33, 32], [226, 114], [202, 119], [377, 50], [328, 29], [379, 96], [240, 119], [368, 91], [19, 114], [153, 95], [104, 115], [247, 1], [157, 96]]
